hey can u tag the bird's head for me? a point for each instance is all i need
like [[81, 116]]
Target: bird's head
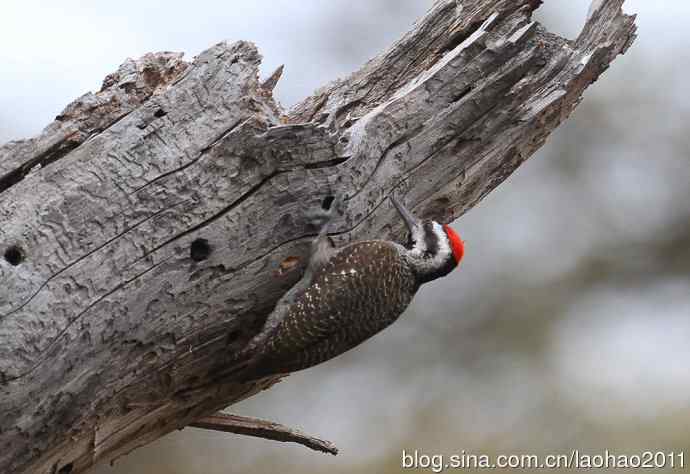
[[434, 249]]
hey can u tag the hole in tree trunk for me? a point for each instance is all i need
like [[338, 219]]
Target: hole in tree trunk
[[14, 255], [327, 202], [200, 250]]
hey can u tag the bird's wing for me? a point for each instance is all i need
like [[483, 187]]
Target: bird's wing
[[341, 301]]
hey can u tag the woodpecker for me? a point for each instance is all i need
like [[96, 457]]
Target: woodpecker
[[349, 294]]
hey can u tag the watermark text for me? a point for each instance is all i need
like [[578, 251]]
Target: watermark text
[[573, 460]]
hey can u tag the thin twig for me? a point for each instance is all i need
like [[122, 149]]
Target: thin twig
[[258, 428]]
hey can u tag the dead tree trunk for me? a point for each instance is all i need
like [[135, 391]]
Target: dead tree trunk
[[149, 230]]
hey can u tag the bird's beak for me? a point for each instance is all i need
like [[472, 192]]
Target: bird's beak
[[410, 221]]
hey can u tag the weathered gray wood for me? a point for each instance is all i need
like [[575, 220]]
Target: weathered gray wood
[[248, 426], [110, 332]]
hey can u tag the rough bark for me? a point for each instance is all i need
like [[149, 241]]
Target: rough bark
[[111, 327]]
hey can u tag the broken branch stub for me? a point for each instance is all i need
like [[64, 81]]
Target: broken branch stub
[[149, 230]]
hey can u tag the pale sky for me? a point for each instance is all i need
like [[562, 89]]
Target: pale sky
[[52, 52]]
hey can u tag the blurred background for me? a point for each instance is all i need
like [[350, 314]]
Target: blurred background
[[568, 324]]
